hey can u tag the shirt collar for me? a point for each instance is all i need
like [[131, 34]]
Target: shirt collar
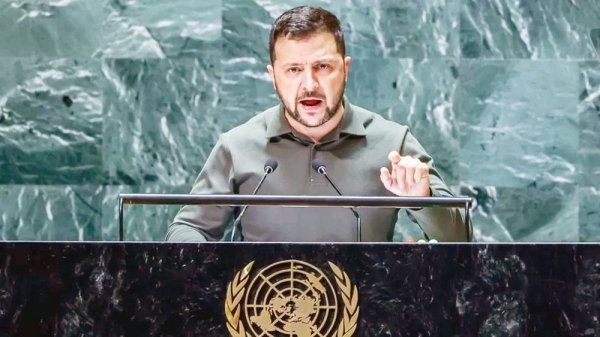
[[351, 123]]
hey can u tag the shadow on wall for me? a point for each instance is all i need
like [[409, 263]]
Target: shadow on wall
[[595, 36]]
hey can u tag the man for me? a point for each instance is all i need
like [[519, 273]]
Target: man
[[309, 70]]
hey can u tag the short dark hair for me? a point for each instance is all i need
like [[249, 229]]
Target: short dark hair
[[303, 21]]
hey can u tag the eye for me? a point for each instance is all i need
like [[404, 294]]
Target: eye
[[294, 70], [323, 66]]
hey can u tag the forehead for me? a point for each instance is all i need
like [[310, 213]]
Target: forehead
[[318, 45]]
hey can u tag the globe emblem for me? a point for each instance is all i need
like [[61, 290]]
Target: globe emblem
[[291, 298]]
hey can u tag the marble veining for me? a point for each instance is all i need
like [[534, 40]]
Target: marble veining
[[51, 121], [146, 29], [29, 213], [544, 213], [103, 97], [157, 133], [589, 123], [589, 214], [528, 29], [521, 127], [157, 289]]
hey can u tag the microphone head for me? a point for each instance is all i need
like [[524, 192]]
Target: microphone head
[[318, 165], [271, 165]]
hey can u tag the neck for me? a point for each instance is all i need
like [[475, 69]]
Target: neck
[[316, 134]]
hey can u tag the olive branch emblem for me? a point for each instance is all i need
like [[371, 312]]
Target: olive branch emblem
[[350, 298], [235, 293], [236, 290]]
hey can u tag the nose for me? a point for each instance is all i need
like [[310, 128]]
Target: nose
[[310, 82]]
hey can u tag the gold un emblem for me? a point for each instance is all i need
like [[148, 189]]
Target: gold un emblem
[[291, 298]]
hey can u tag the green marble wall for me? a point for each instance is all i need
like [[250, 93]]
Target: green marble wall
[[99, 98]]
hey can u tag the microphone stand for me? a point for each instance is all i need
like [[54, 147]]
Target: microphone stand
[[358, 222], [269, 168]]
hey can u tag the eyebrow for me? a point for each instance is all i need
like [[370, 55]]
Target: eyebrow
[[321, 60]]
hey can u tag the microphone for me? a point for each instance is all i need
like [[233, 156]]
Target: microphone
[[319, 166], [270, 167]]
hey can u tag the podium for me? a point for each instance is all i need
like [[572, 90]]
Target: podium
[[276, 289], [246, 289]]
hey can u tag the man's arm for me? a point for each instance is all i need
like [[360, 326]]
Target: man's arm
[[442, 224], [195, 223]]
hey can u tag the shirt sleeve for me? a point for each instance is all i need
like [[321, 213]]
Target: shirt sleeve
[[440, 223], [198, 223]]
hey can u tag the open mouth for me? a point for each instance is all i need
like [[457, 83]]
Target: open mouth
[[311, 102]]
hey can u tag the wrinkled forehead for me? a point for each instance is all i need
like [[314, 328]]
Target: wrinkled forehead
[[307, 49]]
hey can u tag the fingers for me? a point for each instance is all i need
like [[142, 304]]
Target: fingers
[[401, 171], [394, 157], [411, 165], [421, 172], [407, 170], [386, 178], [408, 175]]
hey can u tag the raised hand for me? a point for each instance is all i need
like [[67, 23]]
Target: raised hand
[[409, 176]]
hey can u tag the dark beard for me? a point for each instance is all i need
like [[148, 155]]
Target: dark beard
[[329, 112]]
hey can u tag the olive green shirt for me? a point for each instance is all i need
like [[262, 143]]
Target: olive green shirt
[[353, 154]]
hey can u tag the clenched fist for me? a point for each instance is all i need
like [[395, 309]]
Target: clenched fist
[[409, 176]]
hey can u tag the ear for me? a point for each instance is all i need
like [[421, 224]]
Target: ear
[[271, 74], [347, 60]]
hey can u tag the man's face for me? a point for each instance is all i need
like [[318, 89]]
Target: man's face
[[309, 75]]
